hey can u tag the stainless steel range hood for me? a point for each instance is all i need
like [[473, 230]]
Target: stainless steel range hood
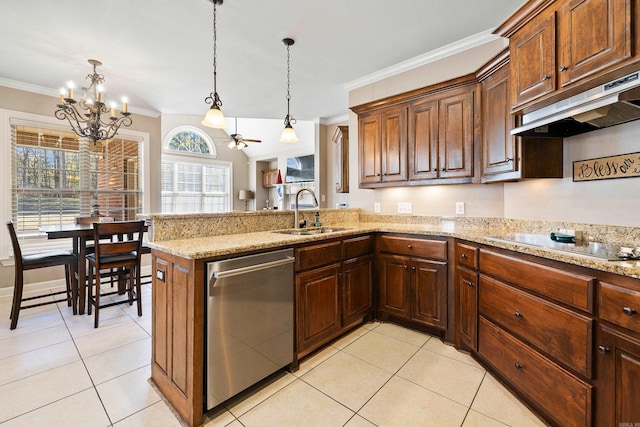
[[610, 104]]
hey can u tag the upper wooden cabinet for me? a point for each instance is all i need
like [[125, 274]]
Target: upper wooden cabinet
[[533, 64], [422, 137], [556, 44], [382, 145], [593, 34]]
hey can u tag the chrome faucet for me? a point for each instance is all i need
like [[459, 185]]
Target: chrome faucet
[[315, 201]]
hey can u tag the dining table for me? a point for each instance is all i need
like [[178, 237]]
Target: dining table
[[80, 235]]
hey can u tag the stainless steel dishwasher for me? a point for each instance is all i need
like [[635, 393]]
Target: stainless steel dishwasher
[[250, 321]]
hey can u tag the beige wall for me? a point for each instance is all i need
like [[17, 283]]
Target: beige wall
[[329, 176], [28, 102], [612, 202]]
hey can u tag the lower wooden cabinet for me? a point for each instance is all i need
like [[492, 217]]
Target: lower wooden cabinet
[[618, 378], [334, 282], [562, 397], [412, 288], [318, 314], [466, 307]]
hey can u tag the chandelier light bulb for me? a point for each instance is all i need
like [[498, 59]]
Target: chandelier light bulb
[[288, 134], [70, 87], [214, 118]]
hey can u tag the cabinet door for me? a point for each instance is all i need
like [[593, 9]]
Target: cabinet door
[[533, 65], [456, 135], [394, 285], [498, 146], [394, 144], [423, 139], [466, 308], [357, 286], [317, 305], [593, 35], [618, 365], [429, 292], [369, 147]]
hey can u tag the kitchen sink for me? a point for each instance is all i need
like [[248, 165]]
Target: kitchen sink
[[311, 230]]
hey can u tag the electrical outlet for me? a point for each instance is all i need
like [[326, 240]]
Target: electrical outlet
[[405, 207], [459, 208], [376, 207]]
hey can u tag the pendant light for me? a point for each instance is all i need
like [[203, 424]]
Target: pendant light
[[214, 117], [288, 134]]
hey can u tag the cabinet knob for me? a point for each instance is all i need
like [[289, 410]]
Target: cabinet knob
[[377, 174], [629, 311], [464, 256], [413, 269], [517, 365], [409, 247], [508, 159], [604, 350], [518, 314], [468, 283], [405, 267], [547, 77], [563, 68]]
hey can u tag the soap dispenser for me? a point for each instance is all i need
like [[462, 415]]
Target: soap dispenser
[[317, 223]]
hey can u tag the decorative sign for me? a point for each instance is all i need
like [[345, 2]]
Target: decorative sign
[[622, 166]]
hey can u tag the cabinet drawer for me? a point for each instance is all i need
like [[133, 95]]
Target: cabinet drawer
[[564, 335], [620, 306], [318, 255], [357, 246], [467, 255], [562, 397], [572, 289], [417, 247]]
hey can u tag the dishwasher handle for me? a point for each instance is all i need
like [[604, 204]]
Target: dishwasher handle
[[252, 268]]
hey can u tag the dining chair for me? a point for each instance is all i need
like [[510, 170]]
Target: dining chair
[[40, 260], [118, 247]]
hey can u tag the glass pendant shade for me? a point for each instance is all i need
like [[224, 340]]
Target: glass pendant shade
[[214, 118], [288, 134]]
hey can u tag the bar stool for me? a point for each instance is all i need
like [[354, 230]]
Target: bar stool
[[117, 248], [40, 260]]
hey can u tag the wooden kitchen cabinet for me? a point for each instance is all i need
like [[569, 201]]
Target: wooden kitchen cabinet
[[411, 287], [382, 145], [536, 327], [466, 294], [177, 360], [423, 139], [555, 45], [618, 353], [334, 282], [456, 133], [593, 35], [318, 314], [505, 157]]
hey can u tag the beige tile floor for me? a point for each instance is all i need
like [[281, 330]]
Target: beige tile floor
[[57, 370]]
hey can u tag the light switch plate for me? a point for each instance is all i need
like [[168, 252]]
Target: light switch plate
[[376, 207], [459, 208], [405, 207]]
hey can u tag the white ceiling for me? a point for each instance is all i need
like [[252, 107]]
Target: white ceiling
[[159, 52]]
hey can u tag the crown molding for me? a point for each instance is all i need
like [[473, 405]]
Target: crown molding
[[47, 91], [335, 119], [426, 58]]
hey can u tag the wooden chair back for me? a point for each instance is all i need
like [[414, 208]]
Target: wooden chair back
[[117, 238]]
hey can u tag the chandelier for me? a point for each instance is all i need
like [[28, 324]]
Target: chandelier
[[214, 117], [88, 116], [288, 134]]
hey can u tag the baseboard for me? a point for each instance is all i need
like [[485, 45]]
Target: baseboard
[[60, 284]]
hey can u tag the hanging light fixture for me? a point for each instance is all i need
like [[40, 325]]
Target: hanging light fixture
[[214, 117], [86, 116], [288, 134]]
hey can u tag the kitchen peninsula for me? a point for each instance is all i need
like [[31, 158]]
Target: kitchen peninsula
[[591, 294]]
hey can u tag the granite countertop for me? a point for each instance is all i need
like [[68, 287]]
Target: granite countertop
[[233, 244]]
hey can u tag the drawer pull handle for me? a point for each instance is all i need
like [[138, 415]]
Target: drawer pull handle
[[409, 247], [468, 283], [518, 366], [518, 314], [464, 256], [564, 68], [604, 350], [629, 311], [546, 77]]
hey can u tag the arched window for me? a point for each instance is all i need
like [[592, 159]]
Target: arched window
[[192, 179]]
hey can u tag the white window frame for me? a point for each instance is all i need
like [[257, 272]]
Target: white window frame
[[170, 155], [39, 243]]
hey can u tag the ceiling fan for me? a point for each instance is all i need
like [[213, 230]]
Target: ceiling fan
[[237, 141]]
